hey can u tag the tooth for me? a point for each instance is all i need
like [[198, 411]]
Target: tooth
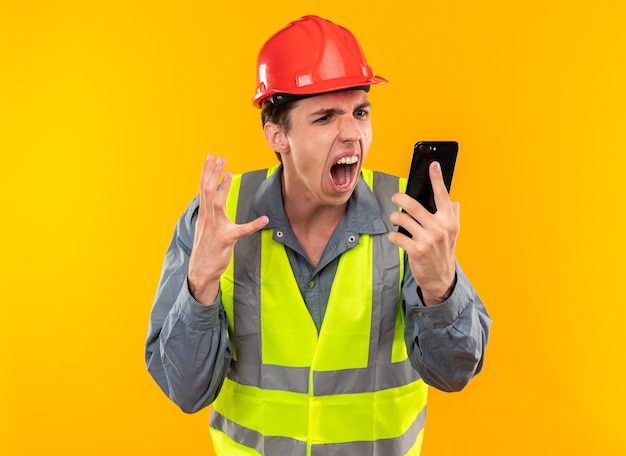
[[348, 160]]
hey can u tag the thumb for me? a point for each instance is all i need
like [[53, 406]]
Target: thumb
[[249, 228]]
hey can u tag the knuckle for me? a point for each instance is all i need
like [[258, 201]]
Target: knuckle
[[438, 234], [218, 204], [421, 248], [453, 225]]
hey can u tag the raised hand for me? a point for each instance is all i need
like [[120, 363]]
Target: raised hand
[[215, 234], [431, 250]]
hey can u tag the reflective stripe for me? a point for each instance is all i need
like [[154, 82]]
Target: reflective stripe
[[241, 265], [387, 185], [344, 381], [366, 380], [412, 439], [274, 445], [270, 376], [271, 445], [382, 415]]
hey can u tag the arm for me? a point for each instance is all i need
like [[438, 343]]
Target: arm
[[447, 325], [446, 342], [188, 351]]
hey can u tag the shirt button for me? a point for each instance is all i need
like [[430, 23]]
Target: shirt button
[[312, 284], [352, 239], [279, 234], [419, 314]]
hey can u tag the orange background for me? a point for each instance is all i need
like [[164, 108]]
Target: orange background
[[109, 108]]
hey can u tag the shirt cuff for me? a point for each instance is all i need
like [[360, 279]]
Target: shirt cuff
[[446, 313], [196, 315]]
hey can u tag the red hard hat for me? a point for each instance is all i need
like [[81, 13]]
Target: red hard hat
[[311, 56]]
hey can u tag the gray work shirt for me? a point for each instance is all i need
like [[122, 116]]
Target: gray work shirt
[[188, 350]]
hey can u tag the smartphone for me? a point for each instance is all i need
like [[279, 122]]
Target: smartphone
[[419, 186]]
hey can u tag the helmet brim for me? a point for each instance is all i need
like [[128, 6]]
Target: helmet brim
[[319, 88]]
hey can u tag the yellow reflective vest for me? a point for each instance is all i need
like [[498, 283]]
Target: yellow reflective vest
[[349, 390]]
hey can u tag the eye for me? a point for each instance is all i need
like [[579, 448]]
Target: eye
[[324, 119], [361, 113]]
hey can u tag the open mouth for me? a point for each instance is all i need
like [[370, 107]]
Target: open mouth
[[343, 172]]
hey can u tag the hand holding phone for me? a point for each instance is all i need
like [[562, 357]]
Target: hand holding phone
[[419, 186]]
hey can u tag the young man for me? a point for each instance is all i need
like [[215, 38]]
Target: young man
[[288, 299]]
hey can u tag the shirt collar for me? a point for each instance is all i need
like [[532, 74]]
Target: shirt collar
[[363, 214]]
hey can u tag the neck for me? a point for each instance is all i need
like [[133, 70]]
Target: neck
[[302, 208], [312, 218], [312, 224]]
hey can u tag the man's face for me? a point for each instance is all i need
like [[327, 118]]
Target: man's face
[[326, 145]]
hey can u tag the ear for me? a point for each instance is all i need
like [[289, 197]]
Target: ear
[[276, 138]]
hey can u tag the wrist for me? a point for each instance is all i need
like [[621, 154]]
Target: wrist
[[434, 297], [204, 292]]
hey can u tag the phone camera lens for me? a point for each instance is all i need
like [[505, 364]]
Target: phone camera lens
[[425, 148]]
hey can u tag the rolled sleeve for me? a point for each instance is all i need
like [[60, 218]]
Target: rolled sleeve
[[197, 316], [446, 313]]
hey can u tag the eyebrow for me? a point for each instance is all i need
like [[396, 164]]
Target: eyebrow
[[328, 111]]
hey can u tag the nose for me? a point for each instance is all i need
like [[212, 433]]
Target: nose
[[349, 129]]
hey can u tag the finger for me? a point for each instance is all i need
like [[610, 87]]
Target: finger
[[411, 207], [249, 228], [456, 209], [221, 194], [212, 173], [205, 193], [209, 181], [403, 241], [207, 166], [442, 198], [406, 220]]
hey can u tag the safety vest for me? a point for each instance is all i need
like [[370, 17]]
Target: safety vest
[[351, 389]]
